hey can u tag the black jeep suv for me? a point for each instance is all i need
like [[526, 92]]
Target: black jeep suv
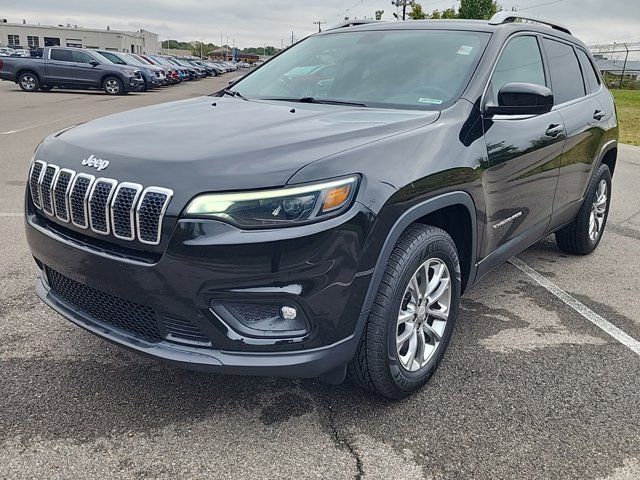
[[324, 214]]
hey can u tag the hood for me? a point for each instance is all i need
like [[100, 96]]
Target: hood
[[194, 146]]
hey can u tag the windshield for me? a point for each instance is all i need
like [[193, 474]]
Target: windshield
[[390, 68]]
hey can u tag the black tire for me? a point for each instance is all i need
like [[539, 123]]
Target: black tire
[[576, 238], [29, 82], [145, 88], [46, 88], [113, 86], [376, 365]]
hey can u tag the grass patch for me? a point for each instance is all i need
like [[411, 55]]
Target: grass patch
[[628, 103]]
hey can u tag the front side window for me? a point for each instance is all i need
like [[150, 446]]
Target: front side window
[[520, 62], [418, 69], [566, 77], [591, 77], [80, 57]]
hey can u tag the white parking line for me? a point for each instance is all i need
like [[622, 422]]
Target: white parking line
[[11, 132], [579, 307]]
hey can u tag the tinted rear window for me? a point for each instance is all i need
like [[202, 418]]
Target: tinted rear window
[[61, 55], [566, 76]]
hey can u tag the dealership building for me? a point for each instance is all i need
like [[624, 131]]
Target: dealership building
[[38, 36]]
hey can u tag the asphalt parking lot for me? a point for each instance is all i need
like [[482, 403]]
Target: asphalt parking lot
[[529, 388]]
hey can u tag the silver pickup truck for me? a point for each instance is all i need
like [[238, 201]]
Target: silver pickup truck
[[73, 68]]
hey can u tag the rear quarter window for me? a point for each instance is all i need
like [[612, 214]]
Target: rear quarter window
[[591, 77]]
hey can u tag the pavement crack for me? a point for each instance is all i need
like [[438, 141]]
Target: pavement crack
[[339, 439]]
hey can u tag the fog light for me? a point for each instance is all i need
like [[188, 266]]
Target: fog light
[[288, 313]]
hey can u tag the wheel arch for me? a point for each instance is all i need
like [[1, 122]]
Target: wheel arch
[[609, 156], [24, 70], [432, 212]]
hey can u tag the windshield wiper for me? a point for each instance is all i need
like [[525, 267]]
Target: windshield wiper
[[233, 93], [329, 102]]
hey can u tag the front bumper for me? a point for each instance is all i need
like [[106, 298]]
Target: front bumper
[[134, 84], [325, 271]]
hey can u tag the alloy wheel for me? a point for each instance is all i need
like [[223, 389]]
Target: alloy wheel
[[28, 82], [112, 86], [423, 314], [598, 211]]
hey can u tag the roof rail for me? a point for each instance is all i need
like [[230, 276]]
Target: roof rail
[[511, 17], [352, 23]]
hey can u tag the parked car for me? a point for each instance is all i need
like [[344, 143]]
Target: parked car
[[6, 52], [75, 68], [319, 235], [21, 52], [171, 72], [152, 76]]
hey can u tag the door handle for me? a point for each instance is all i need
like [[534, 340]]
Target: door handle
[[554, 130], [599, 115]]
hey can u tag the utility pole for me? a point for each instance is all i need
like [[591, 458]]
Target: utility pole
[[319, 23], [403, 4]]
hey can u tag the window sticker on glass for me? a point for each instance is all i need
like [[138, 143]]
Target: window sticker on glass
[[465, 50], [430, 101]]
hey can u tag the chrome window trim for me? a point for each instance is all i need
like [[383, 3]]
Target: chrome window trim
[[169, 194], [50, 192], [33, 166], [132, 213], [66, 194], [107, 205], [85, 201]]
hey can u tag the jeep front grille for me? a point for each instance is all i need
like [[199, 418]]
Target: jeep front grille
[[126, 210]]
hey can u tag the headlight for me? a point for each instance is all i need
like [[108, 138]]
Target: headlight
[[278, 208]]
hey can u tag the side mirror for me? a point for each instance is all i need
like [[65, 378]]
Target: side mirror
[[94, 63], [522, 99]]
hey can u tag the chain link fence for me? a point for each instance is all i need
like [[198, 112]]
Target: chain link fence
[[619, 64]]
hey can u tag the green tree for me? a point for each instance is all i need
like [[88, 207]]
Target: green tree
[[379, 14], [478, 9], [200, 48], [417, 13], [450, 13]]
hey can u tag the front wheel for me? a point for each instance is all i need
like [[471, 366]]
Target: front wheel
[[29, 82], [113, 86], [412, 318], [582, 236]]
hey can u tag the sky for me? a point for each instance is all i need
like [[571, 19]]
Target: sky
[[270, 22]]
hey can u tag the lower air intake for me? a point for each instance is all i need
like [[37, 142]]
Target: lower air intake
[[133, 318]]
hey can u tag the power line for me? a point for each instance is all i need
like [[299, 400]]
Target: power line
[[539, 5]]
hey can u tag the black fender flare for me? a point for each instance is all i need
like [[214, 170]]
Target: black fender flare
[[402, 223]]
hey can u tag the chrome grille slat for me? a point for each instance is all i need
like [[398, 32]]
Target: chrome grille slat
[[45, 184], [60, 194], [35, 176], [123, 208], [128, 211], [150, 213], [78, 198], [99, 205]]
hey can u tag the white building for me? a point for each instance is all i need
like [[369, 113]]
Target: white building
[[26, 35]]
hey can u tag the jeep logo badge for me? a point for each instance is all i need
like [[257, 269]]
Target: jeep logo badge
[[96, 163]]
